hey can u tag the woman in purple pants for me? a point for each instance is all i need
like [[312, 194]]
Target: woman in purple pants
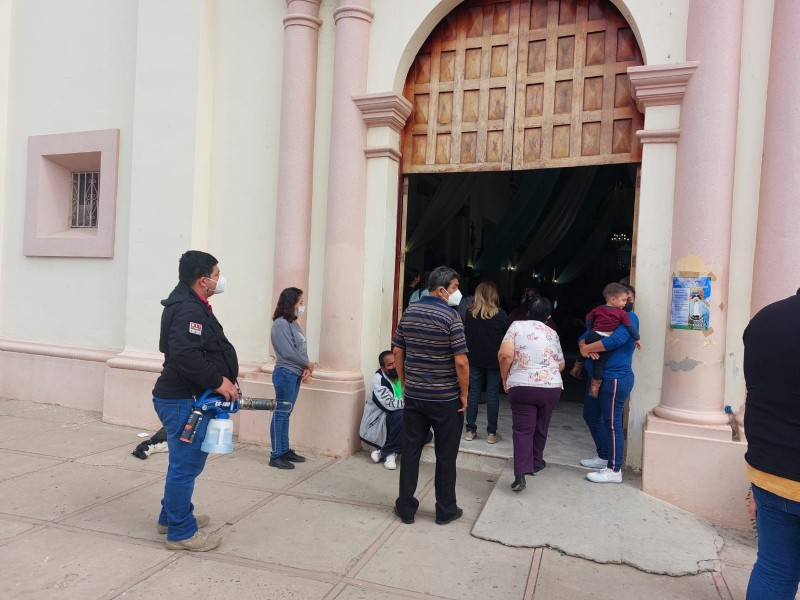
[[531, 362]]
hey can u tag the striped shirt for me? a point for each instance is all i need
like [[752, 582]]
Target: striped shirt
[[431, 333]]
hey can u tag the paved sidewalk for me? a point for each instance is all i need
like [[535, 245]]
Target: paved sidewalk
[[77, 521]]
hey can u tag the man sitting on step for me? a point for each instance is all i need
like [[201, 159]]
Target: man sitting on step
[[382, 423]]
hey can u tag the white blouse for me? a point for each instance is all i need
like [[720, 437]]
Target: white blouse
[[537, 355]]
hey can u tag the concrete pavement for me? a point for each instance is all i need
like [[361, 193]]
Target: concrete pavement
[[77, 521]]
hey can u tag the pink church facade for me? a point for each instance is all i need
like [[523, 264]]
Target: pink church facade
[[270, 134]]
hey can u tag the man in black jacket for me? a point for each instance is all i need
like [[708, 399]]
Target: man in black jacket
[[197, 356], [772, 427]]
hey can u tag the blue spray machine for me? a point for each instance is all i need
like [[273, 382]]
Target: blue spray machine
[[219, 433]]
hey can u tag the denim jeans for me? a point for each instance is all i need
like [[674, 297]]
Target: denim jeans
[[493, 383], [603, 416], [186, 462], [287, 386], [776, 573]]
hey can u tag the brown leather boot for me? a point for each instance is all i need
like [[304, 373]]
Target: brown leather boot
[[594, 387], [577, 370]]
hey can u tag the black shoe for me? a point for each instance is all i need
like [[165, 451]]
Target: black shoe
[[406, 521], [455, 517], [540, 467], [293, 456], [519, 483], [280, 463]]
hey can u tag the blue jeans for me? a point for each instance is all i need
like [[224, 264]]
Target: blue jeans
[[776, 573], [287, 386], [186, 462], [493, 383], [603, 416]]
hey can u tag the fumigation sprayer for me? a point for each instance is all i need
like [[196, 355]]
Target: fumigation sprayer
[[219, 433]]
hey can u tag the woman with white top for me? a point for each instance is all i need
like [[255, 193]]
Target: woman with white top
[[531, 362]]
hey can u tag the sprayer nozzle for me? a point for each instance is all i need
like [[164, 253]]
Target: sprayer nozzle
[[257, 403]]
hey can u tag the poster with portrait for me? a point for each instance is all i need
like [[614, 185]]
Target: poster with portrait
[[691, 303]]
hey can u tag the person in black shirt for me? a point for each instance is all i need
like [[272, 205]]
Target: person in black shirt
[[197, 356], [772, 428]]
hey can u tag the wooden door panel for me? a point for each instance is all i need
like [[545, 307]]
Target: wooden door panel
[[573, 104], [462, 86]]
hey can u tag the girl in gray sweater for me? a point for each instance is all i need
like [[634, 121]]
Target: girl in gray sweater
[[291, 367]]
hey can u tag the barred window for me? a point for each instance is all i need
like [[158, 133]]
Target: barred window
[[84, 199]]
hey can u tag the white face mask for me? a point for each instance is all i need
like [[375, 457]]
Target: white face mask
[[219, 288], [299, 311], [454, 299]]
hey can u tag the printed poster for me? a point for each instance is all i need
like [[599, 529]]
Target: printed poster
[[691, 303]]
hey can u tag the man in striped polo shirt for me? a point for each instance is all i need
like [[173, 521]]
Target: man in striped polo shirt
[[431, 360]]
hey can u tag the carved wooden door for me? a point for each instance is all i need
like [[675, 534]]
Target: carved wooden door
[[523, 84]]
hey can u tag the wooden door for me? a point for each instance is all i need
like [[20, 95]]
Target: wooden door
[[400, 268], [635, 237], [523, 84]]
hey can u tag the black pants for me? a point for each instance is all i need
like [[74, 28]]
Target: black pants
[[599, 364], [418, 418], [394, 433]]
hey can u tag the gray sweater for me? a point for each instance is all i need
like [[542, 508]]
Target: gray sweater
[[289, 345]]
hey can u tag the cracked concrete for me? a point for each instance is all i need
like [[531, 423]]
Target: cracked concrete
[[561, 509]]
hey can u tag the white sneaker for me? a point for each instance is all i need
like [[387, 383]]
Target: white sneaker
[[390, 463], [594, 463], [605, 476], [376, 456]]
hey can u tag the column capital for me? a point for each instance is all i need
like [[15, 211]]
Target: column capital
[[353, 9], [384, 109], [660, 85], [302, 13]]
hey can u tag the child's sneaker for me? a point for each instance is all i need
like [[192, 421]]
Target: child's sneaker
[[594, 387]]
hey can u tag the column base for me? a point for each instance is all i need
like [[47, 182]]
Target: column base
[[699, 468], [69, 376], [325, 419], [128, 393], [715, 417]]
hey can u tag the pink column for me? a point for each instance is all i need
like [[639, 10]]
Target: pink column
[[776, 269], [694, 378], [296, 149], [343, 281]]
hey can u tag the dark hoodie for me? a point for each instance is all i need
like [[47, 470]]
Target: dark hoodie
[[196, 352], [772, 407]]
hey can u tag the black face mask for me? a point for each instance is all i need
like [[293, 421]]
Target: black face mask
[[628, 306], [392, 373]]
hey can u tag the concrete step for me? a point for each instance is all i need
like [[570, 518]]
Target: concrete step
[[473, 459]]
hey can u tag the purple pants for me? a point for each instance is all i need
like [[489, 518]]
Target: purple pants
[[531, 409]]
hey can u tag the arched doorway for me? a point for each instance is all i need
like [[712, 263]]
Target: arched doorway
[[538, 89]]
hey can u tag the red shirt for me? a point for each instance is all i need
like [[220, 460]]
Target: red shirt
[[606, 319], [205, 301]]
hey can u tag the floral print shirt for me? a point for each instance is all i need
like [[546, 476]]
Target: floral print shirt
[[537, 355]]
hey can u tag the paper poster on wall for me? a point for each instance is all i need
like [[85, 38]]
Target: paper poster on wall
[[690, 308]]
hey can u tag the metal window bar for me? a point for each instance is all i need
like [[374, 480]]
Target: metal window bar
[[84, 199]]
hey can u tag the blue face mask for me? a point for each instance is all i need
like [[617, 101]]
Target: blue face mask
[[628, 306], [299, 311]]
